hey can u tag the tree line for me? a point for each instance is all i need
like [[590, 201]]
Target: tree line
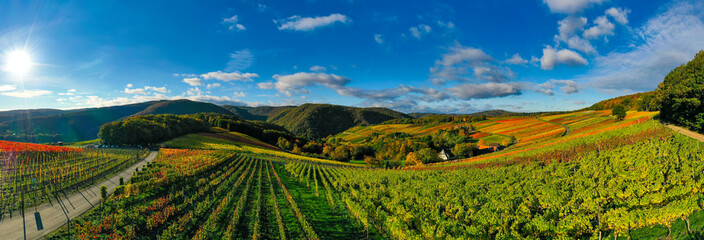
[[149, 129], [152, 129]]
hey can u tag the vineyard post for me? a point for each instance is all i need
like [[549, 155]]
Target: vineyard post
[[24, 228]]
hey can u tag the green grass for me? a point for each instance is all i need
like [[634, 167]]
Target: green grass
[[195, 141], [494, 139], [358, 162], [328, 222]]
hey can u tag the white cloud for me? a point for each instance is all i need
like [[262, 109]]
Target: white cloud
[[135, 91], [213, 85], [394, 94], [318, 68], [619, 14], [456, 64], [517, 60], [570, 6], [568, 29], [189, 75], [420, 30], [603, 27], [239, 94], [545, 88], [129, 85], [468, 91], [26, 93], [566, 86], [193, 81], [298, 23], [70, 92], [664, 42], [156, 89], [4, 88], [144, 90], [378, 38], [447, 24], [266, 85], [240, 60], [96, 101], [233, 76], [297, 82], [552, 57], [232, 23]]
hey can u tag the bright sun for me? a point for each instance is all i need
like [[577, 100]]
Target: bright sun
[[18, 62]]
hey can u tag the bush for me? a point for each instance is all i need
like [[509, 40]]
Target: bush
[[428, 155], [619, 112]]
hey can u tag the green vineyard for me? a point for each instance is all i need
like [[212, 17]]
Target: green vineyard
[[643, 181], [228, 195], [33, 177]]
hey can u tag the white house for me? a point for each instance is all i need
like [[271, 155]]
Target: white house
[[443, 155]]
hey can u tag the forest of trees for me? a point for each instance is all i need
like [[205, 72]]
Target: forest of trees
[[152, 129], [681, 95], [265, 131], [149, 129]]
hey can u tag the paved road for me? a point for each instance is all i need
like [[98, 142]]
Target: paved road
[[53, 217], [686, 132]]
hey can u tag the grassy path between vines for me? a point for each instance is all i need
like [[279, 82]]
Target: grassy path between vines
[[328, 222], [57, 212]]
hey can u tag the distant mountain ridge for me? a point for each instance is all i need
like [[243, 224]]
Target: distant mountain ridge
[[182, 107], [320, 120], [84, 124], [262, 113], [29, 113]]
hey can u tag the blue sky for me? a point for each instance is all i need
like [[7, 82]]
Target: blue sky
[[412, 56]]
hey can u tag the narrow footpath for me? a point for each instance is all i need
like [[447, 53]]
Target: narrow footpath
[[64, 208], [686, 132]]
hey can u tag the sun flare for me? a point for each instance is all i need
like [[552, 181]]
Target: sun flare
[[18, 62]]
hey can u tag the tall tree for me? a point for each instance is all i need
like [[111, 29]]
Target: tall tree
[[681, 94]]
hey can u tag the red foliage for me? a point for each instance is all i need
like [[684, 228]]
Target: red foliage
[[7, 146]]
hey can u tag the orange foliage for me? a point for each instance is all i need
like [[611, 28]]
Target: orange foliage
[[7, 146]]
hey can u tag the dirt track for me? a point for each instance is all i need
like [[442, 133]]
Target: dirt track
[[686, 132]]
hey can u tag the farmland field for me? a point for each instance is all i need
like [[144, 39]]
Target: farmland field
[[586, 185], [33, 174], [409, 120], [527, 130]]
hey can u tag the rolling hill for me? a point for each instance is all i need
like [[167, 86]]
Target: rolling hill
[[321, 120], [84, 124], [181, 107], [262, 113], [29, 113], [631, 102]]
